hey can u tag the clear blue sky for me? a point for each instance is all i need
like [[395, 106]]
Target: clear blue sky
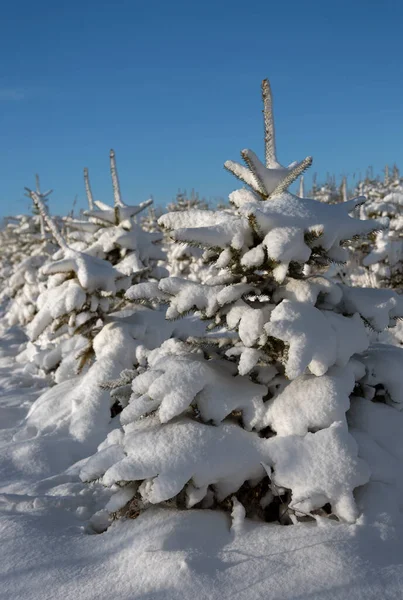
[[174, 88]]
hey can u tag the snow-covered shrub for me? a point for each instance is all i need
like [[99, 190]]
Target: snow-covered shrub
[[113, 234], [378, 260], [26, 246], [86, 279], [257, 414], [184, 202], [385, 259], [78, 294], [187, 260], [85, 331]]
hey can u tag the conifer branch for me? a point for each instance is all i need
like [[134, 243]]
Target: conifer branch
[[144, 205], [249, 158], [38, 185], [269, 133], [292, 176], [37, 200], [241, 173], [38, 188], [88, 190], [115, 180]]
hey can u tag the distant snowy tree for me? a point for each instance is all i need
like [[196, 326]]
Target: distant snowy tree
[[378, 260], [384, 259], [113, 233], [79, 290], [327, 192], [184, 202], [26, 246], [186, 260], [149, 222]]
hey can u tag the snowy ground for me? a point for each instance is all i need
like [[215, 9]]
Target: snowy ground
[[47, 553]]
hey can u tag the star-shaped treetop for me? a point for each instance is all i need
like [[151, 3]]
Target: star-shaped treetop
[[272, 178], [119, 211]]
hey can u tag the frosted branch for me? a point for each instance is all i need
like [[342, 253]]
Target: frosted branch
[[38, 189], [292, 176], [37, 200], [143, 205], [38, 185], [241, 173], [115, 180], [252, 162], [269, 133], [88, 189]]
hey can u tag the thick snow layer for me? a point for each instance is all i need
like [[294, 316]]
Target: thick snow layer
[[249, 321], [67, 298], [308, 290], [309, 403], [174, 383], [194, 448], [330, 467], [281, 224], [379, 307], [318, 467], [167, 554], [383, 364], [139, 243], [187, 295], [208, 228], [317, 339], [92, 273], [79, 406]]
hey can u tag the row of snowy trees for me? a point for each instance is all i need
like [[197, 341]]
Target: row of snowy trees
[[210, 359]]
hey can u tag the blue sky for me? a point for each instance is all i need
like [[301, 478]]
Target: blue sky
[[174, 88]]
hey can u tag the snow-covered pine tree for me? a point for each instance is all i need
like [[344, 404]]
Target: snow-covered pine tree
[[81, 323], [378, 260], [26, 246], [43, 196], [184, 202], [149, 222], [385, 258], [114, 234], [327, 192], [80, 292], [259, 417]]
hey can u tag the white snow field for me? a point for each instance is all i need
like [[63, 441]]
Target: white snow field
[[47, 551]]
